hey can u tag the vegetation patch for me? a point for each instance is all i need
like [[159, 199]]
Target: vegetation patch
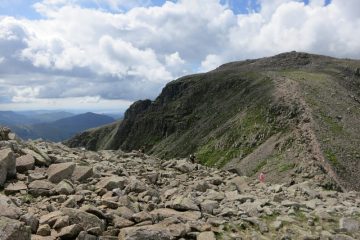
[[331, 157], [286, 167]]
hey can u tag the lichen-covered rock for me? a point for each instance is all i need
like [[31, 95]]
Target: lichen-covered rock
[[11, 229]]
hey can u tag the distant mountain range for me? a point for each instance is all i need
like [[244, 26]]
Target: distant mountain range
[[53, 126]]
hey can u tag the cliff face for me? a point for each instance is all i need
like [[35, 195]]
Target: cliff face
[[294, 115]]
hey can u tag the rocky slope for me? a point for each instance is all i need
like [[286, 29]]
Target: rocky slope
[[294, 115], [52, 192]]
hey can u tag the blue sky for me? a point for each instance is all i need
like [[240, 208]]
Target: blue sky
[[98, 55], [24, 8]]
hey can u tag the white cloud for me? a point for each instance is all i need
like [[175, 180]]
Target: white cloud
[[77, 52]]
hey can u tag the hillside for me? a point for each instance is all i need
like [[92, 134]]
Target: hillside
[[62, 129], [293, 116]]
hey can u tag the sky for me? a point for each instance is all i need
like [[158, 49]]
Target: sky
[[102, 55]]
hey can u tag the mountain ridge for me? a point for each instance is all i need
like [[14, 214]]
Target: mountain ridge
[[279, 103]]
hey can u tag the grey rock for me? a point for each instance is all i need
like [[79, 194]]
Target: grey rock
[[31, 221], [25, 163], [7, 165], [11, 229], [349, 224], [58, 172]]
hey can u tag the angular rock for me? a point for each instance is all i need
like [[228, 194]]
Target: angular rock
[[7, 165], [60, 171], [39, 159], [8, 208], [206, 236], [70, 232], [31, 221], [184, 166], [44, 230], [81, 173], [12, 188], [84, 219], [65, 187], [25, 163], [112, 182], [11, 229], [349, 224], [41, 188], [163, 213], [184, 204]]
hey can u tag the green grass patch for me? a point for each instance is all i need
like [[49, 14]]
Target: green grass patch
[[331, 157], [286, 167], [259, 166], [333, 125]]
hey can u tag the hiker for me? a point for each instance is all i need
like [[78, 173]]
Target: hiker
[[262, 177], [192, 158]]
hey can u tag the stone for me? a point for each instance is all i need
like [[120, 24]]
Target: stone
[[62, 221], [8, 208], [39, 159], [12, 188], [208, 206], [25, 163], [163, 213], [136, 186], [141, 217], [85, 236], [121, 222], [65, 187], [81, 173], [41, 188], [112, 182], [70, 232], [84, 219], [60, 171], [31, 221], [241, 183], [11, 229], [93, 210], [184, 204], [50, 218], [7, 165], [184, 166], [206, 236], [349, 224], [44, 230]]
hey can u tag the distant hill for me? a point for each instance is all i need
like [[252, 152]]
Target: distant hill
[[10, 118], [293, 115], [47, 116], [62, 129]]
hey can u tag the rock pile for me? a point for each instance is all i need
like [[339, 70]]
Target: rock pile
[[54, 192]]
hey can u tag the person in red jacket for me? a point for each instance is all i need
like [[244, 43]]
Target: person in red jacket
[[262, 177]]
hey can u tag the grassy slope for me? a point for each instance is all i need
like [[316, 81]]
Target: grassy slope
[[235, 116]]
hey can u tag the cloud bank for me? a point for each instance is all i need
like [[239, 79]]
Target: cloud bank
[[130, 51]]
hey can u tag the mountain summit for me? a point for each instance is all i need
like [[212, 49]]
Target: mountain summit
[[293, 116]]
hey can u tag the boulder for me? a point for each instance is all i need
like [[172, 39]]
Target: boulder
[[8, 208], [70, 232], [11, 229], [81, 173], [163, 213], [4, 133], [65, 187], [184, 166], [31, 221], [60, 171], [41, 188], [7, 165], [39, 159], [44, 230], [112, 182], [12, 188], [184, 204], [206, 236], [349, 224], [25, 163], [84, 219]]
